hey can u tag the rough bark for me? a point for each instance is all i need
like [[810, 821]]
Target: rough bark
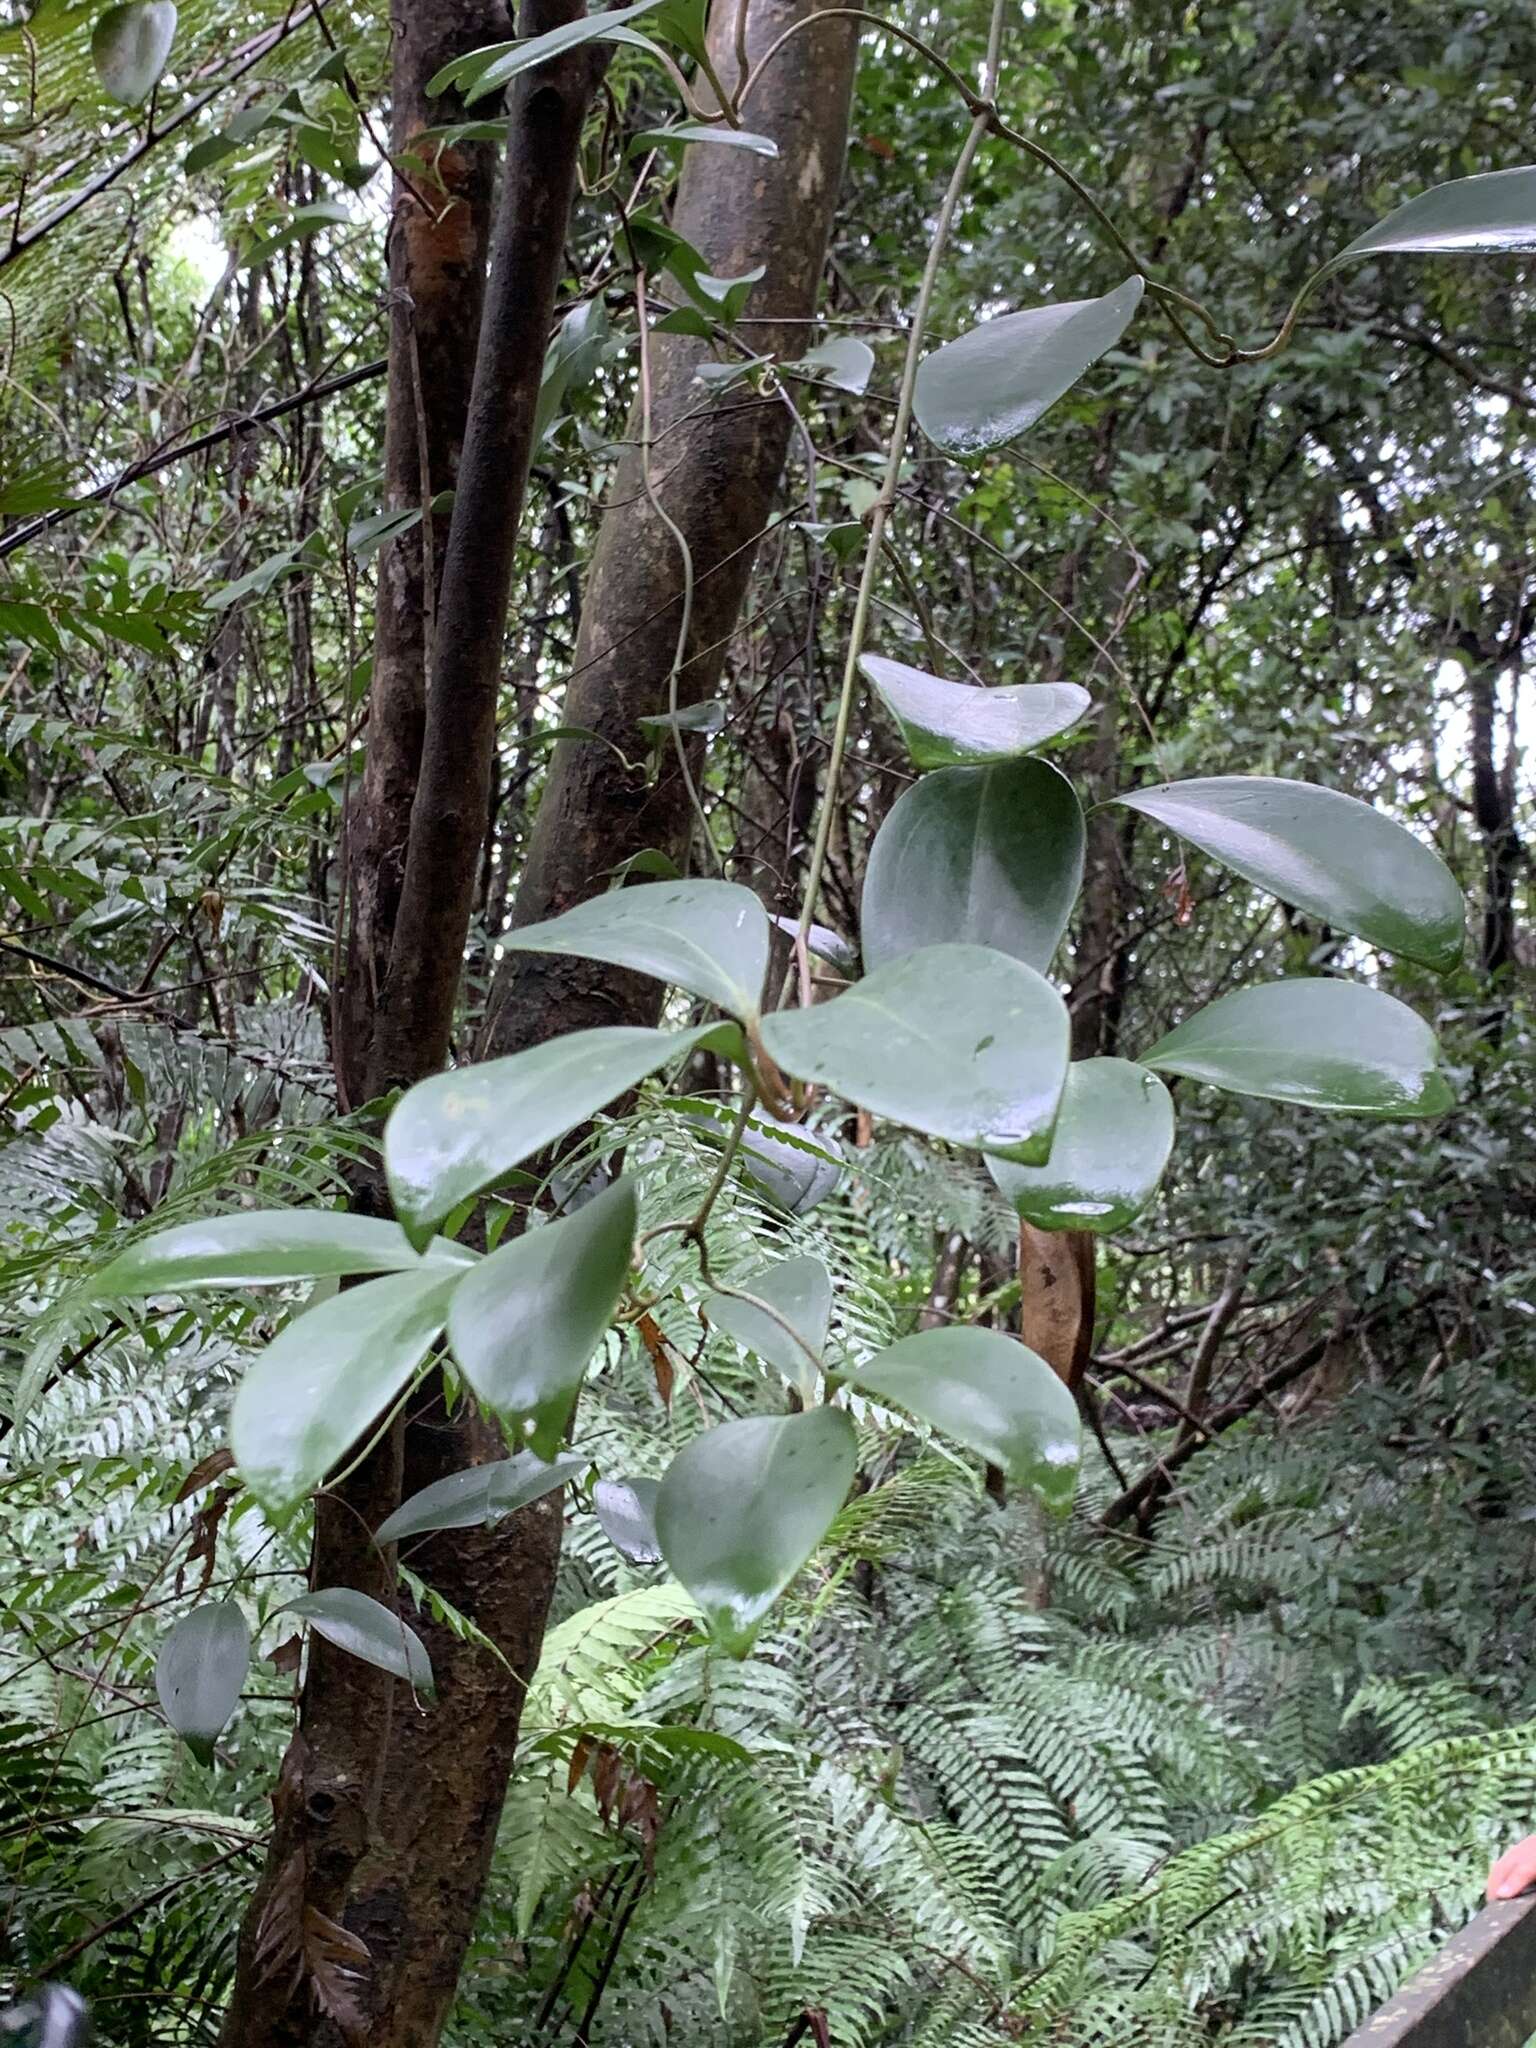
[[413, 1018], [388, 1814], [437, 259], [1056, 1298], [442, 1795], [348, 1851]]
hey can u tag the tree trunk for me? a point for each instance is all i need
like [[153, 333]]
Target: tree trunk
[[441, 1799], [716, 477], [387, 1814], [437, 264], [358, 1928], [1493, 805]]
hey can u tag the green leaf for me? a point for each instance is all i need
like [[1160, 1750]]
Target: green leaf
[[459, 1133], [841, 360], [685, 320], [199, 1673], [958, 725], [794, 1167], [488, 70], [367, 535], [364, 1628], [213, 149], [824, 943], [42, 489], [130, 47], [1326, 1044], [525, 1323], [990, 1393], [727, 295], [1325, 852], [708, 717], [703, 131], [571, 360], [682, 23], [957, 1041], [841, 536], [710, 938], [1482, 216], [301, 223], [626, 1513], [479, 1495], [263, 1248], [993, 383], [976, 856], [1112, 1142], [258, 581], [327, 1376], [801, 1290], [743, 1507]]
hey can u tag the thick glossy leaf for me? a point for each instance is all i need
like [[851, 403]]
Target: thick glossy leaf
[[1485, 215], [478, 1495], [823, 943], [991, 1394], [626, 1511], [130, 47], [958, 725], [980, 391], [487, 70], [842, 360], [703, 131], [1325, 852], [1112, 1142], [525, 1323], [264, 1247], [329, 1374], [794, 1167], [708, 717], [976, 856], [1327, 1044], [459, 1133], [801, 1290], [200, 1671], [710, 938], [572, 359], [957, 1041], [54, 2016], [364, 1628], [743, 1507]]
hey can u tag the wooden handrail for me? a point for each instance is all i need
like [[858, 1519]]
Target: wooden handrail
[[1478, 1992]]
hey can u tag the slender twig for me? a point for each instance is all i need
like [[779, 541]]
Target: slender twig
[[19, 244], [151, 465], [685, 556]]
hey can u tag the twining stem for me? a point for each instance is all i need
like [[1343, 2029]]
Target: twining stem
[[880, 512], [685, 556], [692, 1227]]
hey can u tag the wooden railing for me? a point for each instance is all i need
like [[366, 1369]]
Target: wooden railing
[[1479, 1991]]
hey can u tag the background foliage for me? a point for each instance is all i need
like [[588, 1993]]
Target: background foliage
[[1222, 1773]]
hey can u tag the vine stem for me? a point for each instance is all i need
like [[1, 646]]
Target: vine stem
[[880, 511], [685, 556], [693, 1226]]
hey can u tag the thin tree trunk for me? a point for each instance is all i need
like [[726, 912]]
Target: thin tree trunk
[[413, 1019], [1493, 805], [437, 262], [387, 1814], [297, 1982], [717, 477], [441, 1798]]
